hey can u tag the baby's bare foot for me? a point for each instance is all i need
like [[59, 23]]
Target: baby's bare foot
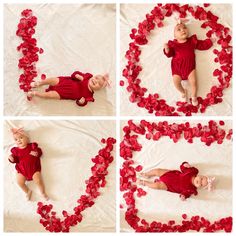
[[28, 195], [35, 84], [140, 182], [184, 97], [45, 196], [144, 175], [31, 94], [194, 101]]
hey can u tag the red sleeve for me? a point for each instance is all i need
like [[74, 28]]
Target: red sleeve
[[192, 170], [84, 75], [37, 149], [14, 155], [171, 52], [182, 167], [88, 75], [81, 105], [188, 193], [76, 73], [201, 44], [90, 99]]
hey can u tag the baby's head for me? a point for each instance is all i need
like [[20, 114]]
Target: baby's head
[[201, 181], [98, 82], [20, 137], [181, 32]]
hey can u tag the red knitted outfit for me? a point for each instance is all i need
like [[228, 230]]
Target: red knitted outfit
[[180, 181], [27, 164], [71, 88], [183, 56]]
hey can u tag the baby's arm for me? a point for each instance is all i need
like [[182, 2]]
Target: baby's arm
[[166, 48], [186, 194], [84, 101], [186, 168], [187, 165], [168, 51], [13, 157], [81, 102], [36, 150], [182, 197], [202, 44], [79, 77]]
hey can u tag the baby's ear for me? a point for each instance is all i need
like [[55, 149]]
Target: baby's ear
[[106, 75]]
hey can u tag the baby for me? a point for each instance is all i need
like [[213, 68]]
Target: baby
[[26, 157], [185, 182], [183, 64], [78, 86]]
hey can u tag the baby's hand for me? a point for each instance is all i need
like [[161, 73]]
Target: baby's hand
[[77, 76], [82, 100], [182, 197], [34, 153], [11, 158], [166, 47], [187, 165]]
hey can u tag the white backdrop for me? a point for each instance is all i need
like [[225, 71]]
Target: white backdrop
[[68, 147], [215, 160], [156, 73], [74, 37]]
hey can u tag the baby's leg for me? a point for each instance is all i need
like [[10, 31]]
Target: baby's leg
[[21, 182], [177, 83], [155, 185], [193, 83], [49, 94], [155, 172], [37, 178], [49, 81]]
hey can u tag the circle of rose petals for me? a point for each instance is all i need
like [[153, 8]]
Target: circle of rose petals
[[152, 102], [102, 160], [29, 50], [208, 134]]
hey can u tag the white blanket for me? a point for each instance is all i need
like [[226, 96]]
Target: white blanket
[[68, 147], [156, 73], [74, 37], [215, 160]]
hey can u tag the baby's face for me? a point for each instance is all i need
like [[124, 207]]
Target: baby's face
[[181, 32], [21, 140], [200, 181], [96, 82]]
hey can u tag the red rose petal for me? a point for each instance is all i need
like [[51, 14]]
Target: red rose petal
[[43, 77], [122, 83]]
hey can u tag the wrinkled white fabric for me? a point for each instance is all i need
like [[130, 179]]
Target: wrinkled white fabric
[[68, 147], [156, 74], [74, 37], [215, 160]]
